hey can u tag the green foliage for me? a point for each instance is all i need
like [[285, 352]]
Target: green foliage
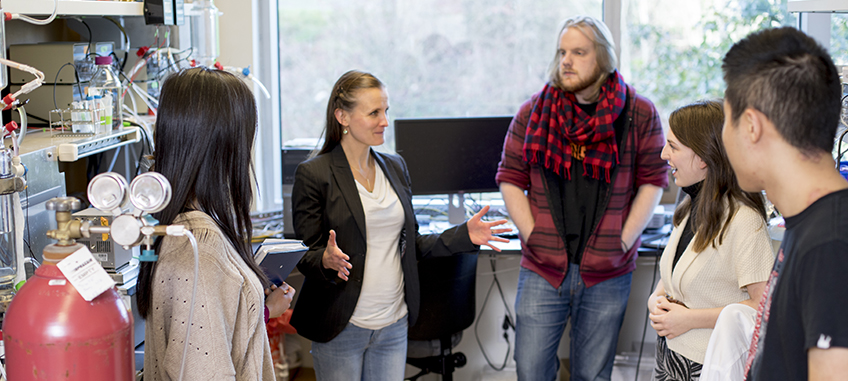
[[839, 39], [673, 73]]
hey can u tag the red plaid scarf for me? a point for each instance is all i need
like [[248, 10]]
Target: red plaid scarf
[[556, 118]]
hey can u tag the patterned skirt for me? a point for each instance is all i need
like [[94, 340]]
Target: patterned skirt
[[672, 366]]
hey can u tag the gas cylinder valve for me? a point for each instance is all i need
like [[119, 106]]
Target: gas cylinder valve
[[67, 228]]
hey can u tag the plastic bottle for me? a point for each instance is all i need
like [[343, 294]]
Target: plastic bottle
[[81, 118], [106, 117], [95, 106], [107, 85], [93, 117]]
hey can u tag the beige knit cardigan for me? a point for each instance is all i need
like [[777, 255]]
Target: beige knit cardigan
[[716, 277], [228, 338]]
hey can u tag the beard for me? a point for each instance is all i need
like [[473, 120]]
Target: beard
[[583, 82]]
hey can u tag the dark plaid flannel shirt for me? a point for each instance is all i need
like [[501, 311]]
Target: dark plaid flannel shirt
[[639, 164]]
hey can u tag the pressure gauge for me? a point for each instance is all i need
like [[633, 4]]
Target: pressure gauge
[[150, 192], [108, 191]]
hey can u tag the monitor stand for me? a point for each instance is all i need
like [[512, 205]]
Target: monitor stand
[[456, 208]]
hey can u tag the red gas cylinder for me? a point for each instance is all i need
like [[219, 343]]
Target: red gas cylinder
[[52, 333]]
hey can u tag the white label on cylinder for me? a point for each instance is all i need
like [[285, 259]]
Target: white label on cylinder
[[57, 282], [85, 274]]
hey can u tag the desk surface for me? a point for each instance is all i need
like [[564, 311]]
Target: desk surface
[[513, 247]]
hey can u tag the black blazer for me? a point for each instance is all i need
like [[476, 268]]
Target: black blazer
[[325, 197]]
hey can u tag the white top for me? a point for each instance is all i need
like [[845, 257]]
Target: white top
[[716, 277], [381, 301]]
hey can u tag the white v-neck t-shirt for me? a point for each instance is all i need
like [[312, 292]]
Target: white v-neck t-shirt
[[381, 301]]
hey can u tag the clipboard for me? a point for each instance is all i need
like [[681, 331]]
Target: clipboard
[[278, 257]]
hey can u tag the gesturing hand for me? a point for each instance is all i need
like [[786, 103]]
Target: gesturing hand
[[335, 259], [481, 232]]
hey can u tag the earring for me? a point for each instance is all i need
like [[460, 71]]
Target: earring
[[345, 131]]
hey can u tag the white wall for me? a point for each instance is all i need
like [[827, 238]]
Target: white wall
[[248, 38]]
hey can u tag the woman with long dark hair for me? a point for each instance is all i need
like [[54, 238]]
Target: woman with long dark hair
[[204, 135], [719, 251], [353, 208]]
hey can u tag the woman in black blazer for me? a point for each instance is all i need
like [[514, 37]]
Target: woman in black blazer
[[348, 201]]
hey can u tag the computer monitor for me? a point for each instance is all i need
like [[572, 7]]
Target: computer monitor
[[452, 155]]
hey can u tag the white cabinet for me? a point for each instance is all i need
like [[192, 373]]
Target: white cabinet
[[75, 8], [818, 6]]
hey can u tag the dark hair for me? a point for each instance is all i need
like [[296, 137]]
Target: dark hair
[[204, 135], [344, 97], [698, 126], [791, 79]]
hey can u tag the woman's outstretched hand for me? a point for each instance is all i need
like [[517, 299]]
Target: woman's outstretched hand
[[482, 232], [335, 259]]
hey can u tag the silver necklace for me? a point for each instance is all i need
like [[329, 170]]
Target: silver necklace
[[364, 175]]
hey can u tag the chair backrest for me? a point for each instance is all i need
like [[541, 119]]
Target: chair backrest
[[447, 296]]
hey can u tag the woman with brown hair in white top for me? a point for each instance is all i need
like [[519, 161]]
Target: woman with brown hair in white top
[[719, 252]]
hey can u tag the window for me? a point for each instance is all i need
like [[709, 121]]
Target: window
[[671, 51], [839, 39], [438, 58]]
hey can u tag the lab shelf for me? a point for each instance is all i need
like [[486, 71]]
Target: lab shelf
[[73, 8], [71, 147], [825, 6]]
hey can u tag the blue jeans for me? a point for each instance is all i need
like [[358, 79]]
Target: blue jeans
[[363, 354], [542, 312]]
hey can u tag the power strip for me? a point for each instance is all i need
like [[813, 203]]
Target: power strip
[[98, 143]]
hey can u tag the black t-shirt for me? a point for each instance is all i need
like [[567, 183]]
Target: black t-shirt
[[807, 305], [687, 234], [582, 194]]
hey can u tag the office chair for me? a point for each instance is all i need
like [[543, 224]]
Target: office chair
[[447, 308]]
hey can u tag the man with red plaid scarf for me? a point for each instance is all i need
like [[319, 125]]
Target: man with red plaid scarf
[[586, 149]]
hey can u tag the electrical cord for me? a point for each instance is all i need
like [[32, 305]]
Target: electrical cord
[[37, 118], [126, 36], [508, 319], [56, 81], [90, 48], [29, 234], [146, 144], [647, 317], [839, 147], [425, 207], [118, 66], [175, 64], [842, 115]]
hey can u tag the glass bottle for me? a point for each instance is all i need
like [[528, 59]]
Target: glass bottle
[[106, 84]]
